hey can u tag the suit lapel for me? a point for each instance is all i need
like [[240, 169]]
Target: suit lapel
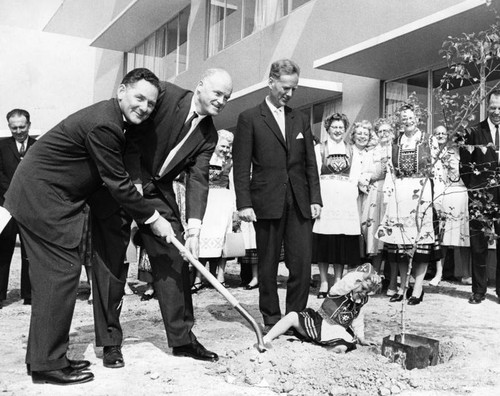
[[15, 151], [289, 117], [196, 137], [270, 121]]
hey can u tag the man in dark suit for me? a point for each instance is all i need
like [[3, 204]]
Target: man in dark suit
[[47, 197], [179, 136], [12, 151], [277, 186], [478, 168]]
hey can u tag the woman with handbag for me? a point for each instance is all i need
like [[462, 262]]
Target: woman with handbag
[[218, 219]]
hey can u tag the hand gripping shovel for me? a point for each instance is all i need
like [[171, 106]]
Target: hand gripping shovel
[[222, 290]]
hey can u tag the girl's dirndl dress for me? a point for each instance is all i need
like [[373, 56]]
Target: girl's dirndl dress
[[339, 320], [408, 182], [336, 231], [218, 218]]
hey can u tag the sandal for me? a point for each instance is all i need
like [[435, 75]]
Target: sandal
[[196, 287]]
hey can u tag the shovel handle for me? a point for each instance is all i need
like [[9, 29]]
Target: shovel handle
[[222, 290]]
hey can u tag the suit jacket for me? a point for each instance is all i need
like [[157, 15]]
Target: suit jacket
[[259, 144], [9, 160], [68, 164], [485, 163], [149, 144]]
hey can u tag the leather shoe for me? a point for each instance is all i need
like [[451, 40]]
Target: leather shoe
[[476, 298], [112, 356], [396, 298], [65, 376], [322, 295], [148, 296], [196, 351], [76, 365]]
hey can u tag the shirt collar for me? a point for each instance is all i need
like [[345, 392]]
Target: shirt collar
[[332, 147], [192, 109], [491, 125], [272, 107]]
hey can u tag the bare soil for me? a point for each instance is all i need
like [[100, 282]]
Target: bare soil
[[468, 359]]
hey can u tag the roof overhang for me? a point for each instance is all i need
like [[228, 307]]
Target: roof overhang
[[410, 47], [136, 22], [309, 91]]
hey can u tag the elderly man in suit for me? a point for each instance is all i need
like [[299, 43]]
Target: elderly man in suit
[[478, 168], [277, 186], [12, 151], [47, 197], [179, 136]]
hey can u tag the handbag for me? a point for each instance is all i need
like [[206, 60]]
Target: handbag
[[234, 245]]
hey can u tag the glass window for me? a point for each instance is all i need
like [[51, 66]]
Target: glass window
[[231, 20], [165, 51], [318, 112]]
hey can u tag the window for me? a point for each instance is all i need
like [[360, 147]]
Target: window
[[165, 51], [397, 92], [231, 20], [423, 84], [319, 112]]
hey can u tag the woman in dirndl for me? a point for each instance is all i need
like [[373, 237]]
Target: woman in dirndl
[[451, 201], [336, 232], [218, 218], [373, 209], [408, 221]]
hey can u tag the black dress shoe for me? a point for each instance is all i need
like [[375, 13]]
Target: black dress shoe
[[196, 351], [396, 298], [76, 365], [27, 301], [148, 296], [79, 365], [65, 376], [249, 287], [322, 295], [476, 298], [416, 300], [112, 356]]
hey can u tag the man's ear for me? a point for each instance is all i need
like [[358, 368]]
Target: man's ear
[[120, 91]]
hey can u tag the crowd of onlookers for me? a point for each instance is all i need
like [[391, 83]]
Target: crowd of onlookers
[[149, 166]]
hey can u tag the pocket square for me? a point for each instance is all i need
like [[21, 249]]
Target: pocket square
[[300, 136]]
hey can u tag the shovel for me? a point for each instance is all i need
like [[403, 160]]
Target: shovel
[[222, 290]]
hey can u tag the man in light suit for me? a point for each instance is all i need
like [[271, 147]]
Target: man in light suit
[[170, 142], [12, 151], [478, 168], [277, 186], [47, 197]]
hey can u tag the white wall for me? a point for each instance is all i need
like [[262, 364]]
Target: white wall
[[49, 75]]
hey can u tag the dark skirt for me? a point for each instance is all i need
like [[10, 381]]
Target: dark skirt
[[425, 253], [311, 322], [336, 249]]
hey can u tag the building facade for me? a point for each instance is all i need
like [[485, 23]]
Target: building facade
[[359, 57]]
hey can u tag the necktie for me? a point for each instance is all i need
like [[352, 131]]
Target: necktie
[[22, 149], [496, 140], [186, 127], [281, 121]]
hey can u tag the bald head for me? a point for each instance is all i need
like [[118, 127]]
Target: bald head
[[213, 92]]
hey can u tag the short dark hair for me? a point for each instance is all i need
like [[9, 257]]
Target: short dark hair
[[336, 117], [495, 92], [141, 73], [19, 113], [283, 66]]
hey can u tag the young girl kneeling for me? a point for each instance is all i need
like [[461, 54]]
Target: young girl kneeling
[[339, 322]]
